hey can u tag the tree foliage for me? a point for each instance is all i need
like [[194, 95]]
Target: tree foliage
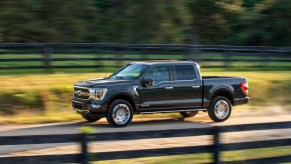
[[239, 22]]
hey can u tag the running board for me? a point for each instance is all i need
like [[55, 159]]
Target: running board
[[173, 111]]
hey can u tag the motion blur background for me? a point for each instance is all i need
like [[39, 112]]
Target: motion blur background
[[236, 22], [37, 79], [46, 46]]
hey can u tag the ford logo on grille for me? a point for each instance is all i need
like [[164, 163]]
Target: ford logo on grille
[[80, 93]]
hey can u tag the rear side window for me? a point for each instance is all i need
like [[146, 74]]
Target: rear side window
[[185, 72]]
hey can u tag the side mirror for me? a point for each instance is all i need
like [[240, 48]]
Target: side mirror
[[147, 82]]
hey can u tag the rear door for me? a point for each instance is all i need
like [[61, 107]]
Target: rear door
[[188, 87], [160, 95]]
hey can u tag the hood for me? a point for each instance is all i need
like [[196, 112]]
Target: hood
[[93, 83]]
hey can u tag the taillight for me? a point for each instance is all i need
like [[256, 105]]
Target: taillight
[[244, 87]]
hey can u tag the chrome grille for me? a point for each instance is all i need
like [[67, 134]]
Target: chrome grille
[[81, 93], [77, 106]]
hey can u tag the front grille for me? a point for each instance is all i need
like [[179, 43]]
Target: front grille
[[81, 93], [77, 106]]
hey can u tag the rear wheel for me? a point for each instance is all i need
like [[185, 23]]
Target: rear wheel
[[219, 109], [119, 113], [91, 119], [189, 114]]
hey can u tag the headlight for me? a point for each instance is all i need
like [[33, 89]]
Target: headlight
[[98, 93]]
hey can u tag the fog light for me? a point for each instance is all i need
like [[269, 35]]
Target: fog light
[[95, 106]]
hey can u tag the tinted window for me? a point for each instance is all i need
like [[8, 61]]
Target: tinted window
[[159, 74], [185, 72]]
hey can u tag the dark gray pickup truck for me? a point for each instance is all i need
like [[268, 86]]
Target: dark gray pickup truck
[[157, 87]]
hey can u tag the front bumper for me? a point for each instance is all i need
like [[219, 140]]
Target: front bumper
[[241, 101], [85, 107]]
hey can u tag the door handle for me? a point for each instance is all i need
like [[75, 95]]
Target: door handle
[[169, 87], [195, 86]]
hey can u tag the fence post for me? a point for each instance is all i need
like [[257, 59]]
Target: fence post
[[193, 50], [84, 147], [47, 57], [216, 145], [226, 57], [98, 62]]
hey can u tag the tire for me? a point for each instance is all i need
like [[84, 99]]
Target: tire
[[189, 114], [91, 119], [219, 109], [120, 113]]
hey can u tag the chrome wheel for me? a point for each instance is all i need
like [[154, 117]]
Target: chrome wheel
[[221, 109], [121, 114]]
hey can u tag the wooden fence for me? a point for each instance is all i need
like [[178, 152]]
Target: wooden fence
[[216, 148], [48, 56]]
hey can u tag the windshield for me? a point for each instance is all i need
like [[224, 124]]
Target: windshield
[[131, 71]]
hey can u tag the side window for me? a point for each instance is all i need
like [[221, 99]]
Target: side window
[[185, 72], [159, 74]]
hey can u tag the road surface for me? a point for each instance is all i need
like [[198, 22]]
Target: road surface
[[201, 120]]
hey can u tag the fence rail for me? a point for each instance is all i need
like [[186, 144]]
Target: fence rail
[[48, 56], [215, 148]]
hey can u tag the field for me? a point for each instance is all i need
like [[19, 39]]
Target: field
[[47, 97]]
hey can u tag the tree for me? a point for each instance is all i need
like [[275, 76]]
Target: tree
[[47, 21], [151, 21], [238, 22], [264, 22]]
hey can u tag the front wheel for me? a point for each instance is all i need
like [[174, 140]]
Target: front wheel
[[219, 109], [120, 113]]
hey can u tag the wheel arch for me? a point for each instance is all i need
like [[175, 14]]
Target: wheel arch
[[225, 93], [124, 96]]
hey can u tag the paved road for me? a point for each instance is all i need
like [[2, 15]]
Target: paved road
[[102, 126], [138, 124], [199, 121]]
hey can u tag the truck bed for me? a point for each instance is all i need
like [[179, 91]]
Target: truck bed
[[214, 83], [217, 77]]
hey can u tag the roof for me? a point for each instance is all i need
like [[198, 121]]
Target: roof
[[164, 62]]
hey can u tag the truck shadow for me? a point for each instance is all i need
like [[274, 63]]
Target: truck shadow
[[155, 123], [102, 126], [160, 121]]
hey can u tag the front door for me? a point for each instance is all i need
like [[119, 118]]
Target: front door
[[160, 95]]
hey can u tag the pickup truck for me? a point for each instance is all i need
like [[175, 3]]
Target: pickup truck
[[158, 87]]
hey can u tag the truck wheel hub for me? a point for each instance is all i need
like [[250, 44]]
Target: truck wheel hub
[[221, 109], [121, 113]]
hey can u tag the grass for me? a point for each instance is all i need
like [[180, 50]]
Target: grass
[[206, 157], [42, 98], [27, 118]]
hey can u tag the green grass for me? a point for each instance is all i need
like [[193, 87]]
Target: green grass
[[47, 97], [206, 157]]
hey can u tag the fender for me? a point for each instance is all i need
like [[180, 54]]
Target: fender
[[212, 92], [121, 93], [221, 89]]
